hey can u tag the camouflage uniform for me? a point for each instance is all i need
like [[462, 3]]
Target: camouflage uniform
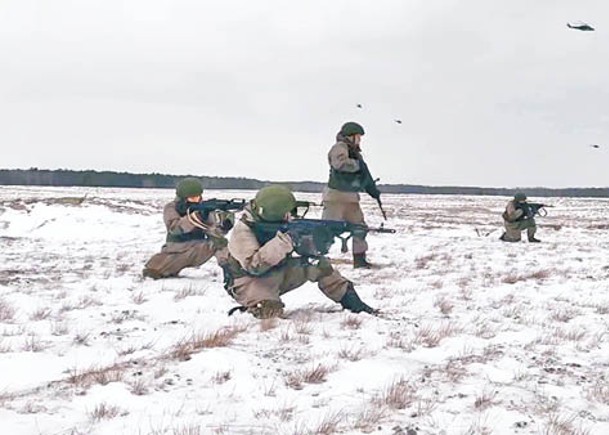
[[341, 196], [186, 245], [515, 222], [257, 274]]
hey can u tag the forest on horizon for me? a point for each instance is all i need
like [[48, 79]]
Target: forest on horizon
[[66, 177]]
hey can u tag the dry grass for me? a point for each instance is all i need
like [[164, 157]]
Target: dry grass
[[188, 430], [329, 424], [128, 350], [82, 338], [314, 375], [97, 375], [139, 387], [485, 400], [540, 275], [122, 316], [303, 326], [602, 308], [399, 341], [220, 338], [59, 328], [563, 425], [599, 393], [7, 312], [33, 343], [138, 298], [222, 377], [352, 354], [285, 336], [40, 314], [564, 315], [454, 371], [188, 291], [423, 261], [369, 419], [398, 395], [485, 330], [88, 301], [352, 322], [430, 336], [284, 413], [103, 411]]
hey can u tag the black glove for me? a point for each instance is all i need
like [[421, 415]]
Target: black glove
[[182, 207]]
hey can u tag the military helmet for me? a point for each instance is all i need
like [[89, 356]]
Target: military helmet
[[188, 187], [520, 196], [273, 202], [351, 128]]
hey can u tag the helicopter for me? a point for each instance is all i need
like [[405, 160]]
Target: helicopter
[[581, 26]]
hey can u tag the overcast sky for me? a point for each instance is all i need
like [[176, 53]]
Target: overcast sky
[[490, 93]]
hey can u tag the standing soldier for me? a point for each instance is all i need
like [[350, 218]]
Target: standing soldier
[[349, 175], [261, 269], [516, 218], [187, 244]]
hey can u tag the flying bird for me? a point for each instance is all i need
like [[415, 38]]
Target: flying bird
[[581, 26], [398, 121], [595, 146], [359, 106]]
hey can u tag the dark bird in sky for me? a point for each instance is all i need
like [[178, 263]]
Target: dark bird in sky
[[359, 106], [581, 26], [595, 146], [398, 121]]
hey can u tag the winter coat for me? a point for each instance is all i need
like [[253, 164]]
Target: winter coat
[[512, 213], [250, 257], [179, 227]]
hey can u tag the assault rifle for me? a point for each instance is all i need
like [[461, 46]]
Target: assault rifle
[[305, 206], [530, 209], [314, 237], [370, 187], [206, 207]]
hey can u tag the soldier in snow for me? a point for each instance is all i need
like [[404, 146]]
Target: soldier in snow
[[517, 217], [192, 237], [349, 175], [261, 266]]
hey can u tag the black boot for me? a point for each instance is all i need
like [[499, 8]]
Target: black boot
[[534, 240], [504, 238], [359, 261], [351, 301]]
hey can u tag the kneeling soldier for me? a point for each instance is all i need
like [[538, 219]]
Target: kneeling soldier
[[517, 217], [187, 243], [259, 270]]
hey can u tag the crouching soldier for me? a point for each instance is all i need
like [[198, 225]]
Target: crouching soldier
[[518, 217], [192, 238], [260, 268]]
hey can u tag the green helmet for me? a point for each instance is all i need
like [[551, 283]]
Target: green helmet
[[520, 196], [351, 128], [273, 202], [188, 187]]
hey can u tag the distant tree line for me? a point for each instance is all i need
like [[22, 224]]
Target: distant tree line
[[65, 177]]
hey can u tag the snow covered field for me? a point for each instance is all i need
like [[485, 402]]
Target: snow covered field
[[477, 336]]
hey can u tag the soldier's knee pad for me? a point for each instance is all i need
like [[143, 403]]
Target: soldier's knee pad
[[266, 309]]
